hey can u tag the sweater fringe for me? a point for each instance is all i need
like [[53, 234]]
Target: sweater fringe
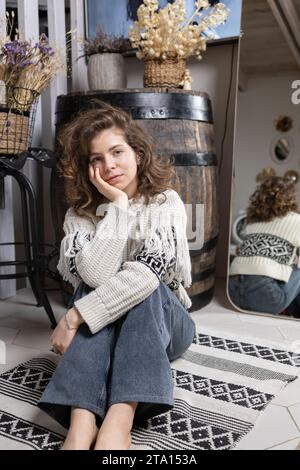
[[183, 297]]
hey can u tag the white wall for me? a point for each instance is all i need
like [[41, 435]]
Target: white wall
[[264, 100], [44, 125]]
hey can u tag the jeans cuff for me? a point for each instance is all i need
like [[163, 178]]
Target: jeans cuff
[[164, 400], [61, 412]]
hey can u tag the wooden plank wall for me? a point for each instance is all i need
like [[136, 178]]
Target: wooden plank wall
[[7, 287], [11, 229]]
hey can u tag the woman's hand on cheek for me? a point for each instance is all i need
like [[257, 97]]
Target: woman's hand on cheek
[[109, 191]]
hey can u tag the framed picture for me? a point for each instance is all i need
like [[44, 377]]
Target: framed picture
[[115, 17]]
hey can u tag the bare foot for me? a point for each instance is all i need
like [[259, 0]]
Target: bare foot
[[82, 439], [116, 439], [115, 431]]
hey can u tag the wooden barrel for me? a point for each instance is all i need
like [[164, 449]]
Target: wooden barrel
[[181, 123]]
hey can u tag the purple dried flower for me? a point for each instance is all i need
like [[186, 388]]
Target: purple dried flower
[[16, 52], [26, 64], [43, 46], [45, 50], [16, 56]]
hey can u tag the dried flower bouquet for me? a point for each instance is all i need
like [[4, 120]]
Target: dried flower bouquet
[[165, 38], [27, 68], [166, 33]]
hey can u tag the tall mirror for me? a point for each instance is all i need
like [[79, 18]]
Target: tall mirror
[[264, 264]]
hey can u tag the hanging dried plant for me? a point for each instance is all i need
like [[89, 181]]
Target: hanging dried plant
[[28, 67]]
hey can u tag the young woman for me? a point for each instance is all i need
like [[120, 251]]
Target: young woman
[[126, 254], [265, 276]]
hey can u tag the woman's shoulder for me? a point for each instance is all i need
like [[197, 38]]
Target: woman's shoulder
[[293, 215], [78, 217], [168, 204], [291, 218], [76, 213], [167, 199]]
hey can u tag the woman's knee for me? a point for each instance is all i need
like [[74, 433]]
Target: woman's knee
[[150, 314], [160, 295], [152, 303]]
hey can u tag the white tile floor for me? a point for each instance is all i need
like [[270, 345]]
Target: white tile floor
[[26, 331]]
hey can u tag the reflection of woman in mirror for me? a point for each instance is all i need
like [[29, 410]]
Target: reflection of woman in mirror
[[265, 276]]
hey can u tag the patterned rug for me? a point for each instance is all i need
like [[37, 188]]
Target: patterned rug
[[222, 384]]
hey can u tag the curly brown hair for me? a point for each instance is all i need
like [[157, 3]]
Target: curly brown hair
[[154, 174], [275, 197]]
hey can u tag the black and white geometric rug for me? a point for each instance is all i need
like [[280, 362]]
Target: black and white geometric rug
[[222, 384]]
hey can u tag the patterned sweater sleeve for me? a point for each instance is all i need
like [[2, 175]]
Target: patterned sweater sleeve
[[137, 279], [92, 253]]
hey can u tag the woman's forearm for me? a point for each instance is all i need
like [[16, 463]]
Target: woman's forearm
[[101, 258]]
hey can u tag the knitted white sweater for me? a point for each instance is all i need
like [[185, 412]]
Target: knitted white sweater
[[270, 248], [125, 254]]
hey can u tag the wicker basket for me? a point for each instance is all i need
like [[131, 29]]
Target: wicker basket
[[20, 98], [14, 132], [164, 73]]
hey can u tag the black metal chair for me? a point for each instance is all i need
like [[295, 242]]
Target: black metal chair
[[36, 261]]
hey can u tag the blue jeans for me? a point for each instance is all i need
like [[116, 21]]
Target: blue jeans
[[127, 361], [265, 294]]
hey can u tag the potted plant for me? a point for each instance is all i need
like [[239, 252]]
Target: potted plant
[[106, 68], [165, 38]]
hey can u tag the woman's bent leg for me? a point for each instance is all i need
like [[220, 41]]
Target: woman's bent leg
[[265, 294], [292, 291], [80, 378], [151, 334]]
